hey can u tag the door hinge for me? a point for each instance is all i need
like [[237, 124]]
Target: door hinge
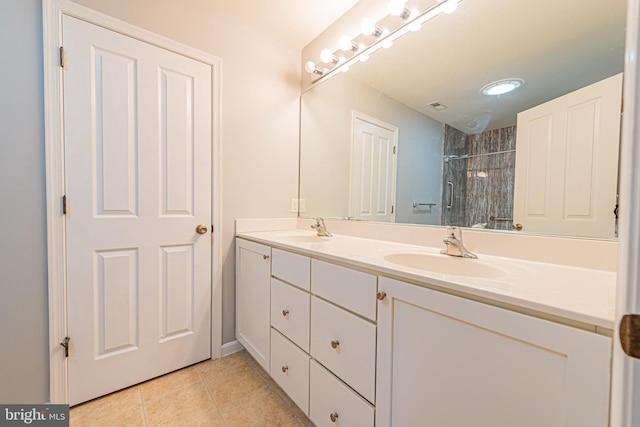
[[64, 205], [62, 57], [391, 208], [630, 334], [394, 149], [65, 344]]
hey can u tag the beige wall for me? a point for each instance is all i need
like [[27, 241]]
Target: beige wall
[[260, 112]]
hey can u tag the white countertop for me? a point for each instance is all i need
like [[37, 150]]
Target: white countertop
[[576, 294]]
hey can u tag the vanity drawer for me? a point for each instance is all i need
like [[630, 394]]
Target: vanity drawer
[[291, 268], [290, 312], [329, 396], [290, 369], [349, 288], [345, 344]]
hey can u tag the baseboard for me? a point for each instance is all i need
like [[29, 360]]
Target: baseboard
[[231, 347]]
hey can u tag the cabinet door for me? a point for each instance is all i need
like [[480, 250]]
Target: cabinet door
[[253, 272], [445, 360]]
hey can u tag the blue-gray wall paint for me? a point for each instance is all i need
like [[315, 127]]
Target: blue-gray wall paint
[[24, 360]]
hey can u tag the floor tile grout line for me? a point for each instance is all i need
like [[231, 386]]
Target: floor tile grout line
[[144, 406], [211, 394]]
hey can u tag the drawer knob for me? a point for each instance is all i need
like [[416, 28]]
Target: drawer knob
[[285, 312], [381, 295], [333, 417], [265, 257], [335, 344], [285, 368]]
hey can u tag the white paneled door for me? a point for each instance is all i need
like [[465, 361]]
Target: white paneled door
[[373, 169], [137, 132], [567, 161]]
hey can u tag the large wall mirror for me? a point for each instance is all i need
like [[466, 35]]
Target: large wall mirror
[[408, 136]]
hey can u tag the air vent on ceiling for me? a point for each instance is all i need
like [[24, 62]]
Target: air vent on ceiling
[[437, 106]]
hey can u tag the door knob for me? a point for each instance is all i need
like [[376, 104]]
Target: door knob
[[201, 229]]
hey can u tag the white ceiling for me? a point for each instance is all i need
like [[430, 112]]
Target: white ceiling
[[295, 22]]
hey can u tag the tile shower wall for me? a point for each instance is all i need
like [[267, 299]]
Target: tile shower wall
[[482, 182]]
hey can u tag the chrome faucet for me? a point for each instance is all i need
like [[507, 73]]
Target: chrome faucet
[[321, 228], [455, 247]]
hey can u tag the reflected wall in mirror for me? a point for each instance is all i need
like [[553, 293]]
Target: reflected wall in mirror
[[407, 136]]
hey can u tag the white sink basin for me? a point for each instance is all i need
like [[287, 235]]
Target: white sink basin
[[444, 264]]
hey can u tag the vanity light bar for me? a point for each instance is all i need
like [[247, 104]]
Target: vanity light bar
[[383, 38]]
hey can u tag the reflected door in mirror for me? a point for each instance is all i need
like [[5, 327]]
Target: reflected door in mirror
[[566, 162], [373, 169]]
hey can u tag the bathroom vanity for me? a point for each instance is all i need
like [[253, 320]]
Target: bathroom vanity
[[363, 332]]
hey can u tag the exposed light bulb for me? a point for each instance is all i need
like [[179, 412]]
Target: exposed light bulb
[[311, 68], [345, 43], [327, 57], [396, 7], [369, 28]]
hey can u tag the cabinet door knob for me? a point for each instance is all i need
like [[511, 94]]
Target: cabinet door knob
[[285, 368], [333, 417], [335, 344], [381, 295], [285, 312], [265, 256]]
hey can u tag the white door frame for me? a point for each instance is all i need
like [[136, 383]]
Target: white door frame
[[625, 392], [53, 10]]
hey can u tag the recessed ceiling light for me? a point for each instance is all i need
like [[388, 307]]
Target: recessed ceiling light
[[501, 87]]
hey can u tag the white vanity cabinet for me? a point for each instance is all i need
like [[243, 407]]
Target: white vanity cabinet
[[253, 275], [444, 360], [320, 322]]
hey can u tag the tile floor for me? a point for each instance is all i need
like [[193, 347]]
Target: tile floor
[[228, 392]]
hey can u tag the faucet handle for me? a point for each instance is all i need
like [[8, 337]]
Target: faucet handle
[[451, 231]]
